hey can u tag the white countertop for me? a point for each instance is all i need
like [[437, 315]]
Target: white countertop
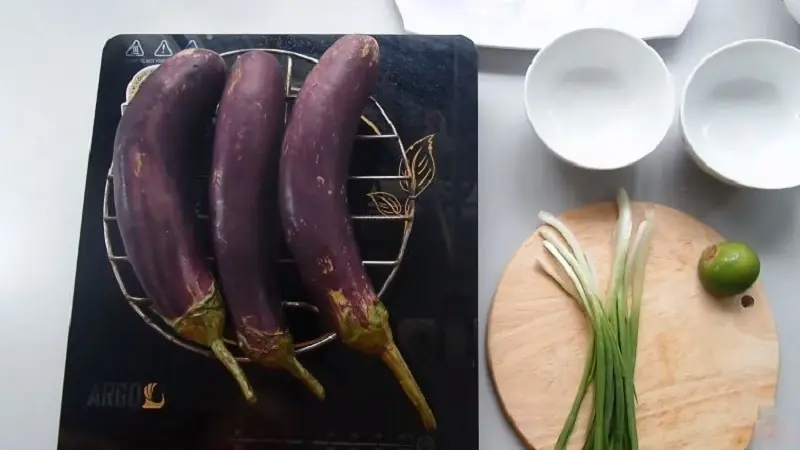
[[48, 83]]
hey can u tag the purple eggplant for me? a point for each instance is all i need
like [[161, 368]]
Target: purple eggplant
[[314, 166], [245, 212], [154, 145]]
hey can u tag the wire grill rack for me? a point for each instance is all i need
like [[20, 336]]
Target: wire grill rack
[[142, 306]]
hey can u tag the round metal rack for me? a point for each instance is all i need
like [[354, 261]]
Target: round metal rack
[[392, 209]]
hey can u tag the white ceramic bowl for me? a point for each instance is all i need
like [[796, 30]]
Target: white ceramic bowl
[[740, 114], [599, 98], [793, 6]]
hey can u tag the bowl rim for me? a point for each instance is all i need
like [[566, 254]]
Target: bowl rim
[[691, 146], [653, 58]]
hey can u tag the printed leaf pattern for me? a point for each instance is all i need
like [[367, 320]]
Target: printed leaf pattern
[[371, 125], [420, 169], [387, 203], [408, 208], [421, 164]]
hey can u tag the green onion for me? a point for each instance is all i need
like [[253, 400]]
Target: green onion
[[614, 318]]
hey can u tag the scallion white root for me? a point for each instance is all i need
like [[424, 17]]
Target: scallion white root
[[614, 319], [554, 274], [573, 243]]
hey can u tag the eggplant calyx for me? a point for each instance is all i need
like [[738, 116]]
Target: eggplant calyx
[[364, 327], [276, 351], [203, 324]]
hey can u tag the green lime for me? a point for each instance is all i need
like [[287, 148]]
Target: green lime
[[728, 268]]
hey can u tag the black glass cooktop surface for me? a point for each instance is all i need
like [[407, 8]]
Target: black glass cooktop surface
[[130, 386]]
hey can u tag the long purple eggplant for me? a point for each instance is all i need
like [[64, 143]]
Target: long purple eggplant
[[313, 176], [244, 211], [155, 141]]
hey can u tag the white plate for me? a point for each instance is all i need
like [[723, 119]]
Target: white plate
[[531, 24]]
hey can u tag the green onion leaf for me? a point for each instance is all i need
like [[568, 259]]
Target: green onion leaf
[[614, 319]]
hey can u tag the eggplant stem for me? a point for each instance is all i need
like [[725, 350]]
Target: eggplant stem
[[203, 323], [391, 357], [293, 366], [227, 360]]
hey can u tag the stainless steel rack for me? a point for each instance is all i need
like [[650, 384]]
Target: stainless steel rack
[[405, 177]]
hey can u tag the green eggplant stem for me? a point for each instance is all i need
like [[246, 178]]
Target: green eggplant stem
[[204, 323], [391, 357], [227, 360], [293, 366], [373, 336]]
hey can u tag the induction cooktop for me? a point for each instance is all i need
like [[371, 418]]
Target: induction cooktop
[[131, 384]]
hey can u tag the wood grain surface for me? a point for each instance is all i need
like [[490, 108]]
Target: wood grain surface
[[704, 365]]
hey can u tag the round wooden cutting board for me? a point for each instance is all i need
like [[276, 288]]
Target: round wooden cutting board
[[704, 365]]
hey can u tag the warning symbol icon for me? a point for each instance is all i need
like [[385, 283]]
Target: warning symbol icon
[[191, 44], [135, 50], [163, 50]]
